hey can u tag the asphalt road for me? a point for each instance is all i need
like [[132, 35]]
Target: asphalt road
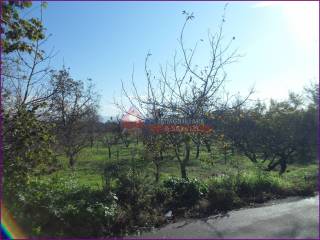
[[289, 218]]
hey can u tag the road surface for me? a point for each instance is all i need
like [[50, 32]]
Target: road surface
[[286, 219]]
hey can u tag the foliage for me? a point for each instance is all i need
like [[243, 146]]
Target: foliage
[[27, 144], [62, 207], [227, 192], [135, 197], [253, 184], [72, 108], [55, 205], [17, 31], [27, 137], [25, 65], [222, 199], [185, 192], [282, 134], [155, 148]]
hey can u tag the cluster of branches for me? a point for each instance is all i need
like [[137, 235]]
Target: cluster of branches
[[183, 89]]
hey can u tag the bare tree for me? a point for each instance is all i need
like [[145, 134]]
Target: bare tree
[[186, 90]]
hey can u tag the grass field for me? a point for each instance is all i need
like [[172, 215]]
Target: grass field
[[92, 161]]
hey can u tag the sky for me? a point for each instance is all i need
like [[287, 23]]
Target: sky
[[279, 42]]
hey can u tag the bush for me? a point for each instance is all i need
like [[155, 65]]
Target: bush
[[303, 189], [252, 184], [224, 182], [227, 192], [221, 194], [162, 198], [132, 188], [136, 198], [27, 146], [185, 192], [222, 199], [61, 207]]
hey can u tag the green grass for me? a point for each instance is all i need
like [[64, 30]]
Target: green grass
[[91, 161]]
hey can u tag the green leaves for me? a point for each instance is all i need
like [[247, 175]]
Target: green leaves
[[186, 192], [61, 206], [44, 4], [28, 144], [19, 33], [281, 134]]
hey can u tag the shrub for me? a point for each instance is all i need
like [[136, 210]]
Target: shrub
[[303, 189], [221, 194], [62, 207], [222, 199], [162, 197], [27, 147], [136, 197], [185, 192], [133, 189], [224, 182], [253, 184]]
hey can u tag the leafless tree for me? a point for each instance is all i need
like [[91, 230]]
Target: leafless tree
[[185, 90]]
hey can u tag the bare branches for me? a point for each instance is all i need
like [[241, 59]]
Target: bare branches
[[27, 77], [186, 89]]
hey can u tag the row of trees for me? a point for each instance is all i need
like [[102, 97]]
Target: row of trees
[[270, 135], [282, 133]]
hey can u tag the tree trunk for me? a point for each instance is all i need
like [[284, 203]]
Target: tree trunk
[[283, 165], [187, 152], [161, 155], [198, 151], [183, 170], [157, 164], [71, 160], [184, 162], [91, 142], [157, 173], [109, 151], [207, 146], [272, 165]]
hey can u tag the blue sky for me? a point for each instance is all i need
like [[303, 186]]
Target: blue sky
[[103, 40]]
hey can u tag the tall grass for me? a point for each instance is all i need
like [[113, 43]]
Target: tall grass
[[226, 192]]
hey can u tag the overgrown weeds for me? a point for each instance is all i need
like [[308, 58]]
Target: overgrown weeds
[[131, 201]]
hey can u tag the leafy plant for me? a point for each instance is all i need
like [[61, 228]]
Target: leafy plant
[[62, 207], [185, 192], [27, 144]]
